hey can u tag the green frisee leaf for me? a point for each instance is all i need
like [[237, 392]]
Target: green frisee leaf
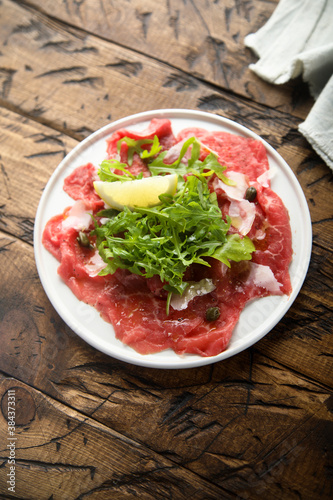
[[185, 229]]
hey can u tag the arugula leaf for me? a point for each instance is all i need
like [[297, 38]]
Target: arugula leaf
[[154, 150], [167, 239], [235, 248], [212, 163], [185, 229], [108, 213], [134, 146], [106, 171], [156, 164]]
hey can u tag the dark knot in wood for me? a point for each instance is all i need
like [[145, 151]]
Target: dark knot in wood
[[25, 407]]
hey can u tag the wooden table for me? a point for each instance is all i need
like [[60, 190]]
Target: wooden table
[[255, 426]]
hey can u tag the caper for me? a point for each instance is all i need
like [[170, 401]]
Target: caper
[[83, 240], [212, 313], [251, 193]]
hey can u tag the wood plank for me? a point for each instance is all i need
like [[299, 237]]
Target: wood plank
[[257, 425], [207, 43], [29, 154], [309, 320], [82, 88], [57, 456], [84, 97], [192, 417]]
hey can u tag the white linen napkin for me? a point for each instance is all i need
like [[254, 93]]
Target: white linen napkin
[[298, 40]]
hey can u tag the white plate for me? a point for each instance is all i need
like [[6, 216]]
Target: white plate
[[258, 317]]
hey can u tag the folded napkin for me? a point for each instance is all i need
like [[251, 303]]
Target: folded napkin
[[298, 40]]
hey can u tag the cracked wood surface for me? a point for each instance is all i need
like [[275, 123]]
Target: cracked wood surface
[[258, 425], [243, 427], [202, 39]]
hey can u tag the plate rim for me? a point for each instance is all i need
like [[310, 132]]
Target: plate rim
[[185, 361]]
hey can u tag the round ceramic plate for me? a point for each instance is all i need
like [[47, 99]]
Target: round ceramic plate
[[258, 317]]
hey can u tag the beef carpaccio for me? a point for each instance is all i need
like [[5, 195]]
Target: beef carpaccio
[[135, 305]]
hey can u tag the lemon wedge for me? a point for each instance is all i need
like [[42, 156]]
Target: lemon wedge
[[142, 193]]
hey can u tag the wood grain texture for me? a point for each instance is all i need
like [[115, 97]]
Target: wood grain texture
[[99, 80], [203, 39], [29, 155], [57, 456], [199, 419]]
